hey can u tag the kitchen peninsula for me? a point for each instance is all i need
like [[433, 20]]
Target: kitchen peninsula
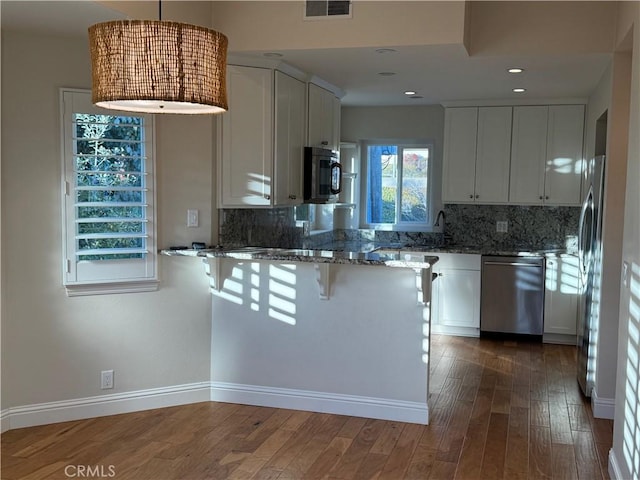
[[325, 331]]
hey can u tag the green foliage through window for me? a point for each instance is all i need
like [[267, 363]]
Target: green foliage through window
[[110, 193]]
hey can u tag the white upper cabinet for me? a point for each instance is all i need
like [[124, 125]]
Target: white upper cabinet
[[246, 169], [563, 170], [290, 112], [324, 118], [477, 147], [459, 169], [262, 136], [528, 154], [546, 155], [493, 155]]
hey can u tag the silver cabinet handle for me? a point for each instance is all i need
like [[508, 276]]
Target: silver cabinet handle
[[541, 197], [514, 264], [547, 197], [292, 197], [324, 142], [477, 196], [470, 196]]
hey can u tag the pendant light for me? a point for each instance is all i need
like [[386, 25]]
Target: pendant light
[[155, 66]]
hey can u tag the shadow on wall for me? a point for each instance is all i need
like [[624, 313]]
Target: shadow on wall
[[631, 428]]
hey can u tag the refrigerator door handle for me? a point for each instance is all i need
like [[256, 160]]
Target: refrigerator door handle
[[583, 237]]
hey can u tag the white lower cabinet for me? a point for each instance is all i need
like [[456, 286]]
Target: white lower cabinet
[[561, 299], [455, 307]]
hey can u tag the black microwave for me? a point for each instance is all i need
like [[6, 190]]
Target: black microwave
[[322, 179]]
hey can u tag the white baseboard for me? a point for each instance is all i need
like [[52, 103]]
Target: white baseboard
[[357, 406], [113, 404], [602, 407], [614, 467], [91, 407], [455, 331]]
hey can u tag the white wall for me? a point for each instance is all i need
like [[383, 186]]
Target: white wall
[[611, 96], [533, 27], [625, 455], [279, 25], [54, 347]]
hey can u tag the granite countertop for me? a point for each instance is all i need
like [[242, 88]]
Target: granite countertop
[[384, 258], [360, 254]]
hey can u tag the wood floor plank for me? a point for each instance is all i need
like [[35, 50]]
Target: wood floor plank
[[453, 439], [578, 417], [499, 409], [539, 413], [517, 455], [559, 418], [470, 461], [371, 467], [421, 463], [586, 455], [495, 447], [328, 459], [352, 459], [442, 471], [540, 453], [563, 462], [399, 459], [386, 442]]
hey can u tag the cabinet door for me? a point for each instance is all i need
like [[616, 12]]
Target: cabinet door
[[565, 133], [561, 296], [528, 155], [322, 112], [458, 298], [289, 139], [493, 154], [459, 169], [245, 176]]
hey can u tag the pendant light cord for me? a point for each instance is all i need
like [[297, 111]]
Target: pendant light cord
[[160, 10]]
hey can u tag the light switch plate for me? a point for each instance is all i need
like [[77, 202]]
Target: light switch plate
[[192, 218]]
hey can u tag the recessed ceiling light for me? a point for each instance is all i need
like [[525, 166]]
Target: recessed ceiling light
[[385, 50], [272, 54], [409, 92], [516, 70], [519, 90], [387, 74]]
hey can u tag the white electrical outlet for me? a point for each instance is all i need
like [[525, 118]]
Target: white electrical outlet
[[502, 226], [106, 379], [192, 218]]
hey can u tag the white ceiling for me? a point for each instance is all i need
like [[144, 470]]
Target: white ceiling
[[437, 73]]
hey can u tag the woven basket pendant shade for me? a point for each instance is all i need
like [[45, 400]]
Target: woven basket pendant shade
[[158, 67]]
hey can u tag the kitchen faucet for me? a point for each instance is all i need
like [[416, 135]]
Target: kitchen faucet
[[440, 214]]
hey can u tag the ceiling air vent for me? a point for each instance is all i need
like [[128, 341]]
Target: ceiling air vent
[[327, 8]]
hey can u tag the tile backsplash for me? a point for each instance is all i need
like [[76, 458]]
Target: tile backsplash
[[528, 228]]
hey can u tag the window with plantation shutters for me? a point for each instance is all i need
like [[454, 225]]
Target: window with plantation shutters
[[109, 208]]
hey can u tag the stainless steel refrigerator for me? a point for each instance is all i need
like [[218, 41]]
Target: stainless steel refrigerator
[[590, 262]]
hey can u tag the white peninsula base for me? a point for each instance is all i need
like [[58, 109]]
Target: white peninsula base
[[363, 351]]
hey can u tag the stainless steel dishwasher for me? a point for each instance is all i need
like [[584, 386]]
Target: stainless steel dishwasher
[[512, 295]]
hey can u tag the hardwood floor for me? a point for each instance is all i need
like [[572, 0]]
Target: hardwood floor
[[498, 410]]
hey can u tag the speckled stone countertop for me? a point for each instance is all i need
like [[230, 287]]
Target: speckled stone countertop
[[384, 258], [421, 256]]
